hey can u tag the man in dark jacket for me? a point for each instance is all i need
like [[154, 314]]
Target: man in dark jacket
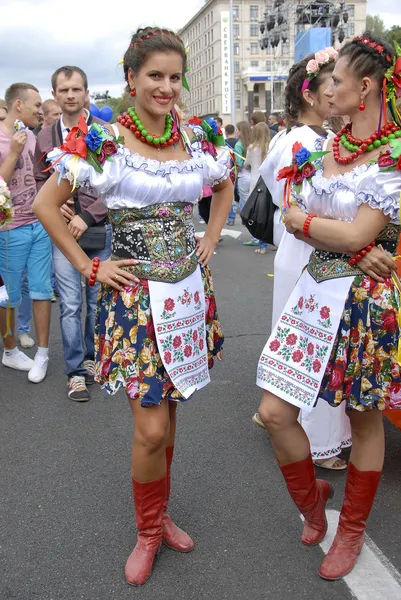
[[82, 213]]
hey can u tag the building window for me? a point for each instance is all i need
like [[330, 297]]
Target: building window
[[254, 13], [256, 101], [236, 31], [350, 8], [212, 34], [351, 29], [238, 103], [236, 49], [254, 48], [255, 64], [235, 13], [236, 66], [285, 48], [237, 85], [254, 30]]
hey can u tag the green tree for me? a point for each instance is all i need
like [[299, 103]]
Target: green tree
[[375, 24], [394, 34]]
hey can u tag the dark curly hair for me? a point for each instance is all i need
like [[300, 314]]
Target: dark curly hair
[[365, 60], [147, 41], [293, 90]]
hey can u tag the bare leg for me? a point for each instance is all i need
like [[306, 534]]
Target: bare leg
[[367, 440], [41, 316], [289, 440], [9, 341], [151, 434]]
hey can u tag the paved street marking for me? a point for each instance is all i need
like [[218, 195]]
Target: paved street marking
[[374, 577], [230, 232]]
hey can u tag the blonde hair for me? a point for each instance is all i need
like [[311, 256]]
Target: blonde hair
[[3, 104], [261, 138]]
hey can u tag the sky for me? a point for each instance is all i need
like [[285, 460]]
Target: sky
[[38, 36]]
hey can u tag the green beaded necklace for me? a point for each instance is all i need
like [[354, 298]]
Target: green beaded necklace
[[131, 120]]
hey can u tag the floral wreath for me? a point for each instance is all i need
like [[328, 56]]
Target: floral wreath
[[6, 207], [323, 57]]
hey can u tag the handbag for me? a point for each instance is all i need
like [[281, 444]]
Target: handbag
[[258, 213]]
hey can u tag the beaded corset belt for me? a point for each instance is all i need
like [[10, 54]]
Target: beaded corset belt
[[161, 236], [332, 265]]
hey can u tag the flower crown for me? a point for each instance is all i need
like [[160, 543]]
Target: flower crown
[[323, 57]]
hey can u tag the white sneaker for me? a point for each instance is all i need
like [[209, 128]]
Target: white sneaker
[[39, 368], [25, 340], [19, 361]]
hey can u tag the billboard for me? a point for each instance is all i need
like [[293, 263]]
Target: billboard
[[226, 82], [310, 41]]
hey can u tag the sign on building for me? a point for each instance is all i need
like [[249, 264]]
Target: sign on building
[[226, 62]]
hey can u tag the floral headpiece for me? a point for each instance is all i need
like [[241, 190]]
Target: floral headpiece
[[391, 89], [323, 57]]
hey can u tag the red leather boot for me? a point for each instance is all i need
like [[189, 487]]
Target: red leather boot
[[149, 505], [174, 537], [310, 496], [360, 491]]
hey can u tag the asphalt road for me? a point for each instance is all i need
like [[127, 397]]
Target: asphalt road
[[67, 521]]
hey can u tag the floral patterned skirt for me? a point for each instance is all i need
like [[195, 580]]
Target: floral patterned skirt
[[127, 354], [363, 369]]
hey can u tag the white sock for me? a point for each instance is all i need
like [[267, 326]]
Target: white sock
[[12, 352], [42, 351]]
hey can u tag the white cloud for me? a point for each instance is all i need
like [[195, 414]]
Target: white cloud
[[38, 36], [388, 10]]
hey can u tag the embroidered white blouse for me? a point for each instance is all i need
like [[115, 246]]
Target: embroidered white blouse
[[133, 181], [339, 197]]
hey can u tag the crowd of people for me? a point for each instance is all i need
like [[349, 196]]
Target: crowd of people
[[114, 204]]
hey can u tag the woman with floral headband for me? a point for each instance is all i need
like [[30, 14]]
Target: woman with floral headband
[[306, 108], [157, 328], [337, 337]]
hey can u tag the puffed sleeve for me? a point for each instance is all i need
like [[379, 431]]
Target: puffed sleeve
[[381, 190], [216, 168], [82, 174]]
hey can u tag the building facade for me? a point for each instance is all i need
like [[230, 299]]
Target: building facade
[[220, 59]]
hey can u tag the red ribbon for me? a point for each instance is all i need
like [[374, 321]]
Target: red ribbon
[[288, 173]]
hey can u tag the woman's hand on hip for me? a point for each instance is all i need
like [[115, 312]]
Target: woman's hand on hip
[[378, 264], [111, 273], [205, 247]]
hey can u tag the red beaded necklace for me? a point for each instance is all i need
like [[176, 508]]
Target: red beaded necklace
[[131, 121], [357, 147]]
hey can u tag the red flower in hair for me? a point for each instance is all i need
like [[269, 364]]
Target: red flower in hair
[[379, 49], [195, 121]]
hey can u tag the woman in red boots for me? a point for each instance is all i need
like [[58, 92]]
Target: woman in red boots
[[157, 328], [337, 337]]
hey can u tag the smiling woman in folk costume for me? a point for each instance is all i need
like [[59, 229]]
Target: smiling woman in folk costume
[[337, 337], [306, 110], [157, 328]]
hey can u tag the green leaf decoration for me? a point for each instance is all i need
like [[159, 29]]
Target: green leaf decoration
[[316, 155], [91, 159], [119, 140], [396, 146], [208, 130], [218, 140]]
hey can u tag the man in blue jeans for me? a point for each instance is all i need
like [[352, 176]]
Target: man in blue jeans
[[85, 214], [25, 246]]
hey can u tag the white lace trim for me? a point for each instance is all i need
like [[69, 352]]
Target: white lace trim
[[157, 167], [328, 185], [386, 204]]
